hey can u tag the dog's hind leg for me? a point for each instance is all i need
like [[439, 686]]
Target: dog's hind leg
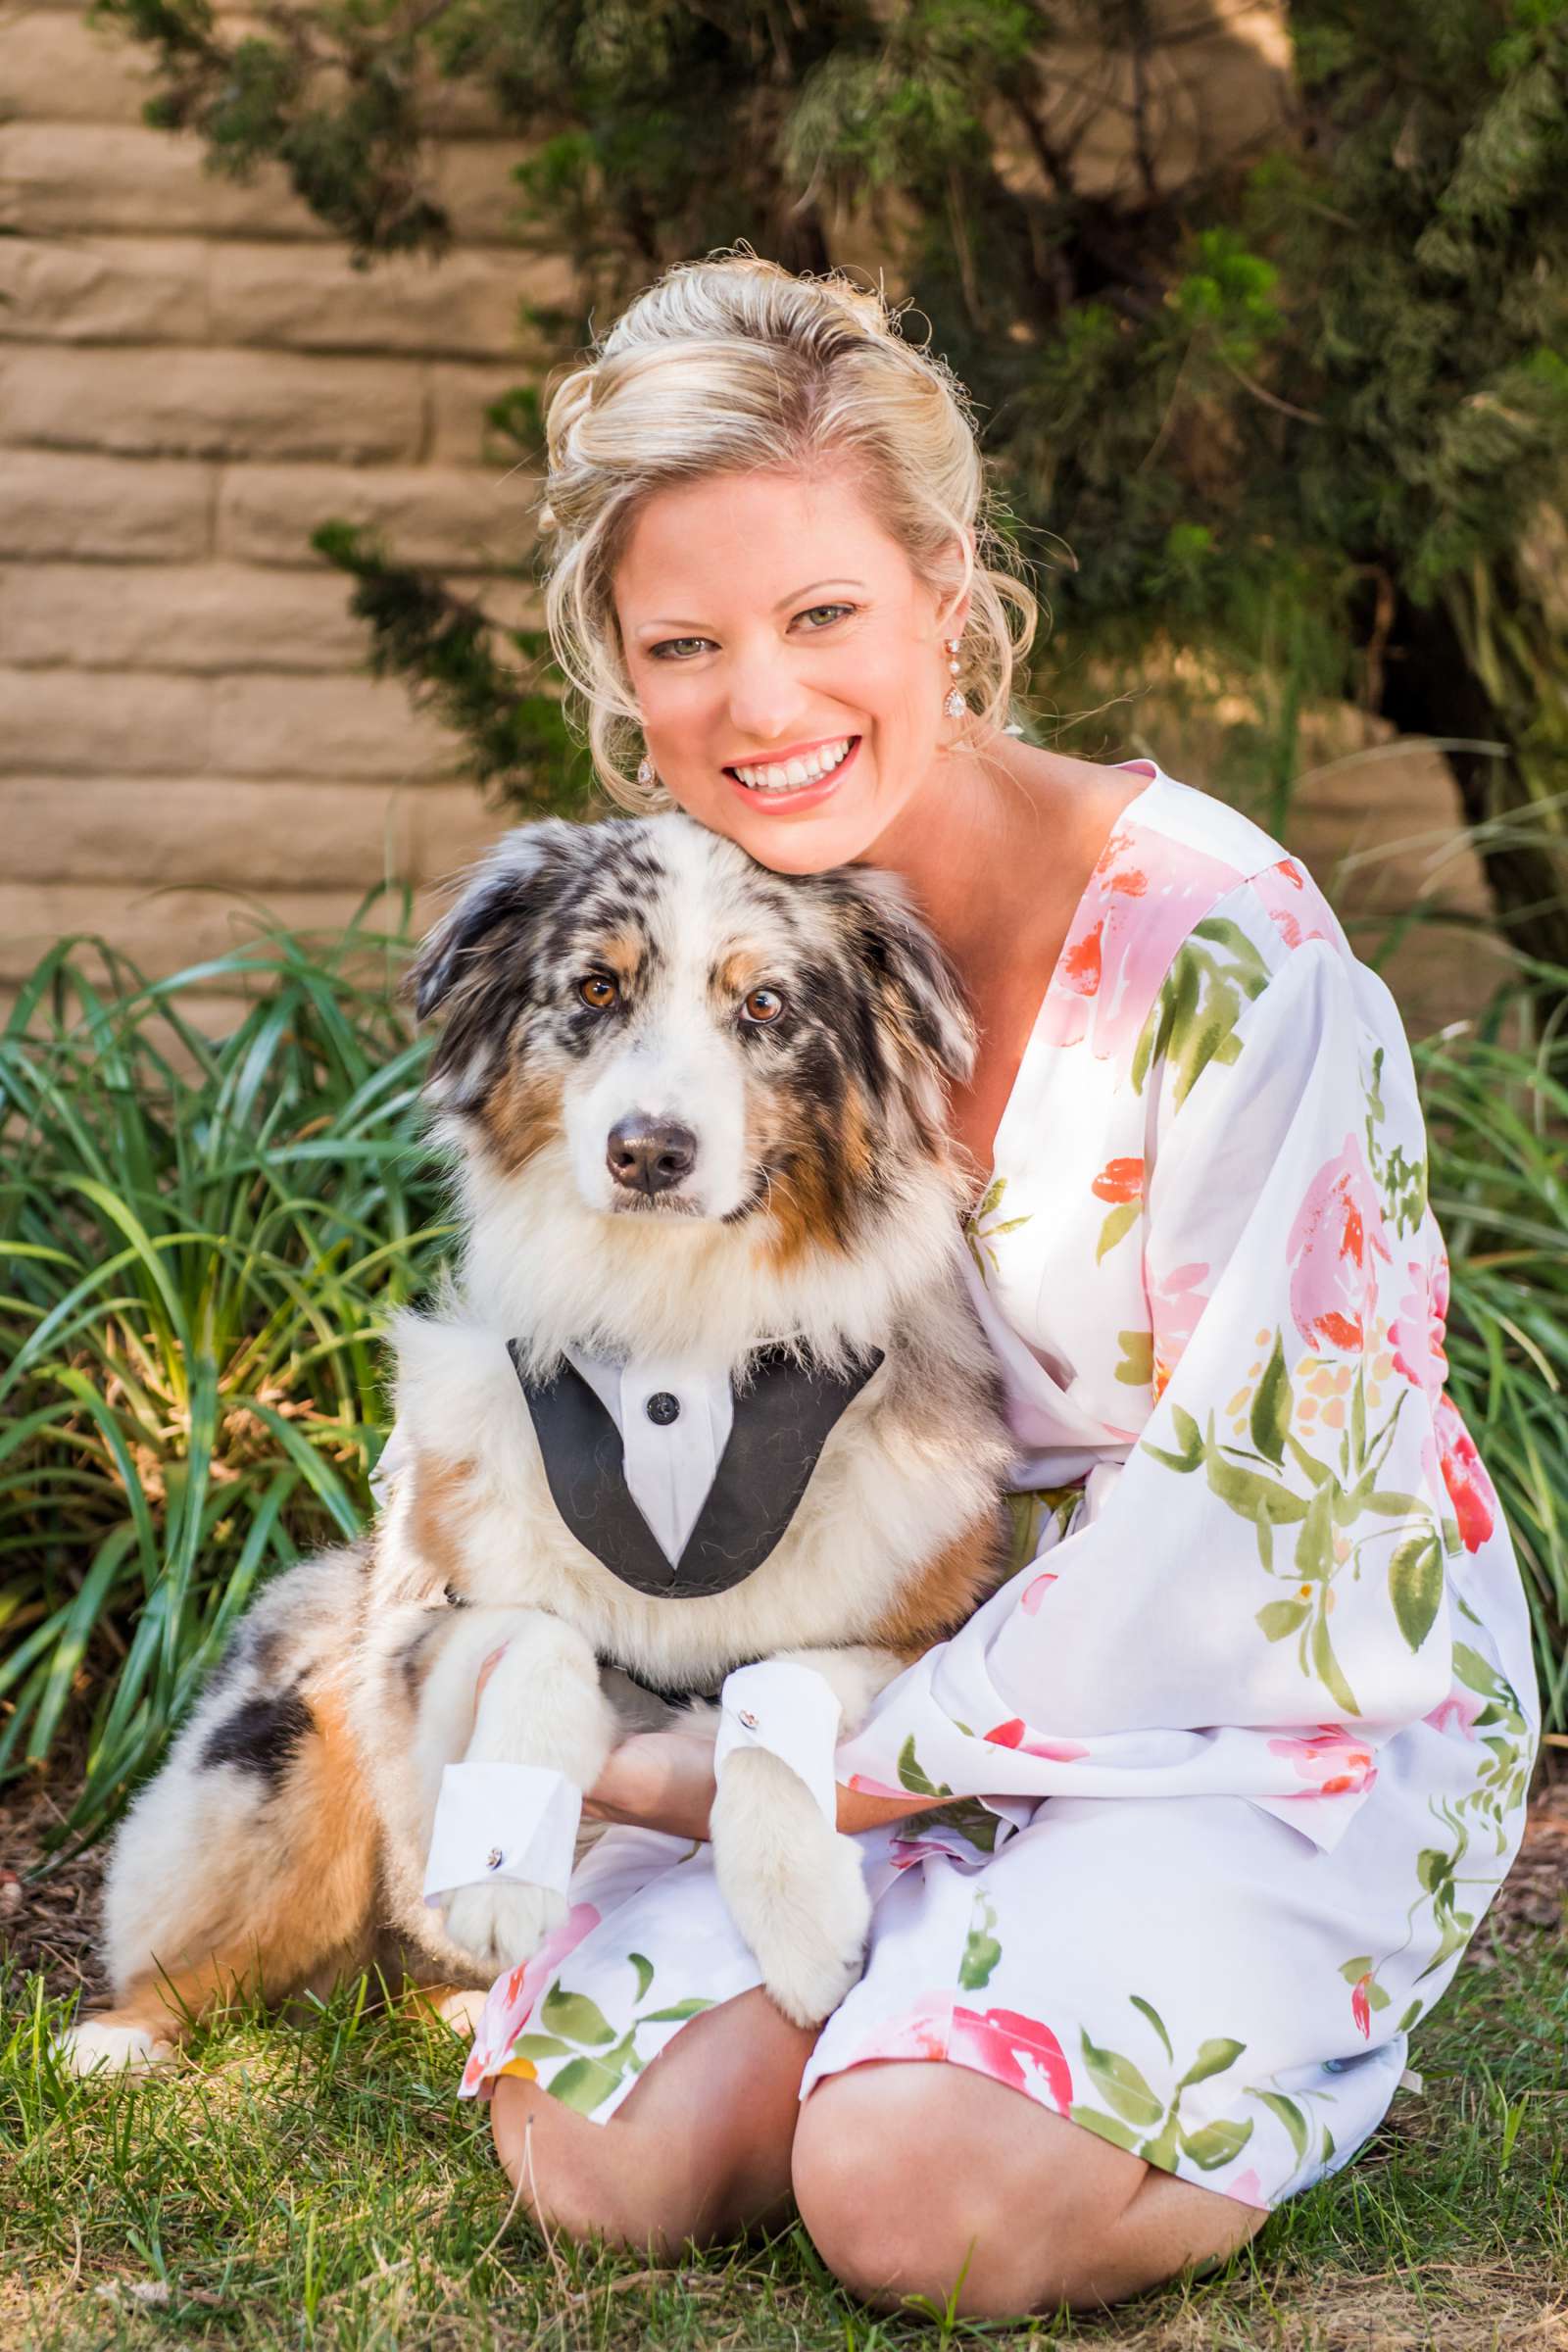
[[249, 1864]]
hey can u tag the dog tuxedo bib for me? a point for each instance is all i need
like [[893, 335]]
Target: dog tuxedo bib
[[681, 1486]]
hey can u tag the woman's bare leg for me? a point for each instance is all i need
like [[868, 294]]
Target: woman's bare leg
[[911, 2176], [699, 2149], [907, 2177]]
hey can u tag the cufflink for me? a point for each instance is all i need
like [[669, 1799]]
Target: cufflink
[[662, 1408], [494, 1858]]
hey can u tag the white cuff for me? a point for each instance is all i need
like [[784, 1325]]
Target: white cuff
[[793, 1712], [502, 1821]]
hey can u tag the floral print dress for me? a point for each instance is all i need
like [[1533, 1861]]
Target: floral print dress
[[1238, 1757]]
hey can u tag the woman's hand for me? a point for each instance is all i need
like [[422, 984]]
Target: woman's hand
[[656, 1781], [859, 1812]]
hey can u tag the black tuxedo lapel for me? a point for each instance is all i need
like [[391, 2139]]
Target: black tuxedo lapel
[[782, 1421]]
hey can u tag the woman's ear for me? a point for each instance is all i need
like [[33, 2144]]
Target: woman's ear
[[952, 611]]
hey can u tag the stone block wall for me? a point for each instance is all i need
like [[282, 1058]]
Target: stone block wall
[[192, 376]]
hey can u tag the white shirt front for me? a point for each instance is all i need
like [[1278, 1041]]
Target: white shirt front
[[670, 1458], [675, 1425]]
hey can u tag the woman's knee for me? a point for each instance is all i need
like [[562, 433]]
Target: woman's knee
[[698, 2150], [931, 2180]]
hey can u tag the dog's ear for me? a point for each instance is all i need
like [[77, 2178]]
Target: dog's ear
[[919, 992], [512, 888]]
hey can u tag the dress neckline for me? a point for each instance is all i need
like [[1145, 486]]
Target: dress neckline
[[1128, 813]]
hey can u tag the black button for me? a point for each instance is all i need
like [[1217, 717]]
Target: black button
[[662, 1408]]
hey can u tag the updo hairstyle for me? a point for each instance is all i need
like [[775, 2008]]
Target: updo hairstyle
[[735, 365]]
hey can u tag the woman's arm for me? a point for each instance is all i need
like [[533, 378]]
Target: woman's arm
[[664, 1781]]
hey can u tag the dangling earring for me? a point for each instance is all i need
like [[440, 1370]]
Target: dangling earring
[[956, 704], [645, 771]]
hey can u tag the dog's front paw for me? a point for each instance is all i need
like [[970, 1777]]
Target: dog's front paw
[[500, 1924], [795, 1888], [94, 2046]]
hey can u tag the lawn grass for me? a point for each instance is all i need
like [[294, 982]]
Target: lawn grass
[[315, 2184]]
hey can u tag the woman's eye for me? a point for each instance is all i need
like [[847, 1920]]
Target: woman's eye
[[670, 647], [762, 1005], [598, 991], [682, 649]]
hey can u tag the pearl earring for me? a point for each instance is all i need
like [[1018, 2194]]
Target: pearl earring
[[956, 704]]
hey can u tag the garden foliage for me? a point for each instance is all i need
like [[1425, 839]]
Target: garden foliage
[[198, 1243]]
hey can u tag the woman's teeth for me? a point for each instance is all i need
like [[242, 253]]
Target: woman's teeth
[[793, 773]]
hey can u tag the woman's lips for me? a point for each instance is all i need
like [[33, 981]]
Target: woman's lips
[[797, 796]]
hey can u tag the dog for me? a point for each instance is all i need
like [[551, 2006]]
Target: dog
[[696, 1116]]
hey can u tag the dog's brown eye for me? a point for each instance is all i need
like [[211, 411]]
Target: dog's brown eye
[[598, 991], [763, 1004]]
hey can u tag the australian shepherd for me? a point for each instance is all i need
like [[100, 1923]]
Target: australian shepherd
[[696, 1111]]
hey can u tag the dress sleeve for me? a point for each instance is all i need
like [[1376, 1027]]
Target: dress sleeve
[[1257, 1597]]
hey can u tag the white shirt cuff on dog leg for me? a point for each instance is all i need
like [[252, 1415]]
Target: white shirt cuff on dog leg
[[790, 1710], [502, 1821]]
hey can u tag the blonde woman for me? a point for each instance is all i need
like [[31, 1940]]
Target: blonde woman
[[1238, 1816]]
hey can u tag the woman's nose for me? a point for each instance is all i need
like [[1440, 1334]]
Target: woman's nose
[[762, 697]]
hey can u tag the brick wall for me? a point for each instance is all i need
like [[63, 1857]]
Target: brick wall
[[192, 376]]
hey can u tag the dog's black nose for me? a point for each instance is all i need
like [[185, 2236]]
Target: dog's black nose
[[649, 1155]]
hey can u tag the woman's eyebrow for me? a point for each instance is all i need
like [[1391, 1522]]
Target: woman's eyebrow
[[811, 586]]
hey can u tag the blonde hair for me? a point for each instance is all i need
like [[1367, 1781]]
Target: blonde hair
[[735, 365]]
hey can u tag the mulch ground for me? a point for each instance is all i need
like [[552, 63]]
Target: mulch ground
[[1535, 1894], [49, 1916]]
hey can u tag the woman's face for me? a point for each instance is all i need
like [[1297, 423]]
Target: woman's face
[[768, 622]]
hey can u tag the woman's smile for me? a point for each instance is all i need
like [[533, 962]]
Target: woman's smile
[[801, 779]]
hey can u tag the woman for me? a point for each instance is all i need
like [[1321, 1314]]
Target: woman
[[1240, 1819]]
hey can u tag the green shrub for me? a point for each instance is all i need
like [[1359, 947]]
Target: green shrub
[[200, 1243], [1496, 1105]]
